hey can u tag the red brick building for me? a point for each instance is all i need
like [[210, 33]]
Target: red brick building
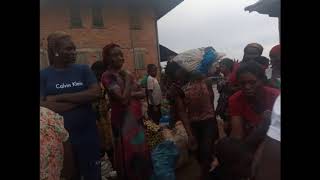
[[94, 23]]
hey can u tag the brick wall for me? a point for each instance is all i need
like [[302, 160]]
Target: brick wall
[[116, 29]]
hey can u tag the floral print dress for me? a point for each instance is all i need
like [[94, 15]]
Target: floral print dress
[[52, 136], [102, 106]]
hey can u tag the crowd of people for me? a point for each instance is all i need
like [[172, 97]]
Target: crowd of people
[[87, 113]]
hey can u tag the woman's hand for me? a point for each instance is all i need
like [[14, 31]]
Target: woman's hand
[[128, 77], [139, 94], [193, 145], [54, 98], [214, 164], [267, 114], [237, 130]]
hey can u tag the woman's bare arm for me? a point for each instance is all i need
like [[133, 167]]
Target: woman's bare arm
[[58, 107], [89, 95], [237, 130], [122, 96]]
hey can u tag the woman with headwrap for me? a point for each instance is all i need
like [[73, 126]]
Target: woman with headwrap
[[132, 156], [275, 56], [69, 89], [251, 51]]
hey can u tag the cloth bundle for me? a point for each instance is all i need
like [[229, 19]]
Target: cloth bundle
[[179, 136], [198, 60], [153, 133]]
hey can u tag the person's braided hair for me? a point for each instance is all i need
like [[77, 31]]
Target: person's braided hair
[[228, 63], [54, 43]]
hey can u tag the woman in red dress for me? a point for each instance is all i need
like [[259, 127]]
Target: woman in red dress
[[250, 106]]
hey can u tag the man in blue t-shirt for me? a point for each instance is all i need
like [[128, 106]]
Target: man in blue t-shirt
[[69, 89]]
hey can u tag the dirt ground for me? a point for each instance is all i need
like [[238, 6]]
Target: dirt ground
[[189, 171]]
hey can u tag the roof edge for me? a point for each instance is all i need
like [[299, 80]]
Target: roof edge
[[162, 7]]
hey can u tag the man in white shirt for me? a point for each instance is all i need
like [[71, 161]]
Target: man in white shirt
[[154, 94], [269, 165]]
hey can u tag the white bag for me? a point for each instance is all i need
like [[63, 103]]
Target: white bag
[[106, 168], [192, 59]]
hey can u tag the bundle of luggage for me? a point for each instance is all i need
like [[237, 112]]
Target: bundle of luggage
[[199, 60], [179, 137], [155, 135], [171, 153]]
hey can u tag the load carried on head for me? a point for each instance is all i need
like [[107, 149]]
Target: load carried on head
[[171, 143], [198, 60]]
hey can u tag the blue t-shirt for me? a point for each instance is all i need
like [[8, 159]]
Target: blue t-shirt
[[81, 121]]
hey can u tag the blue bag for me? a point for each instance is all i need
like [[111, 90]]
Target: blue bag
[[209, 57], [164, 158]]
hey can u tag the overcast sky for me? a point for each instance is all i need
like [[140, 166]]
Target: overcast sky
[[222, 24]]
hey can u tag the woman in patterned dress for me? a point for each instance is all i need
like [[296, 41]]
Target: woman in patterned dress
[[102, 106], [132, 156], [55, 150]]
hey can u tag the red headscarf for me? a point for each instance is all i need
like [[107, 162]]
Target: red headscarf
[[106, 52], [275, 51]]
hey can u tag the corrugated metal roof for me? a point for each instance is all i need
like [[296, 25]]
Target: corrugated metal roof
[[162, 7], [165, 53], [270, 7]]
